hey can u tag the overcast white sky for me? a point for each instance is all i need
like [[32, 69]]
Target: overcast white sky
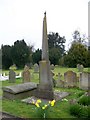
[[22, 19]]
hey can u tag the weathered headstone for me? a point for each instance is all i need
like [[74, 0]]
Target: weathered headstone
[[12, 76], [31, 65], [70, 78], [52, 67], [80, 68], [36, 68], [59, 76], [26, 74], [45, 87], [60, 83], [54, 81], [84, 82]]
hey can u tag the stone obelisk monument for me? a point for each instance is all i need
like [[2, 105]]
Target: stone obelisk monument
[[45, 87]]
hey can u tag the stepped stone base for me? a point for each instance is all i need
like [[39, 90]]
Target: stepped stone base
[[57, 96], [44, 94]]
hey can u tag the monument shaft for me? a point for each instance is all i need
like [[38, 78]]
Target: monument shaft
[[45, 40], [45, 89]]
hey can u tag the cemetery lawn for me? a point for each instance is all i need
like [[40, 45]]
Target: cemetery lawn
[[61, 108]]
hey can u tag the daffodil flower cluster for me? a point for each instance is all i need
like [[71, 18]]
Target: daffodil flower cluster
[[52, 102], [37, 103], [42, 112]]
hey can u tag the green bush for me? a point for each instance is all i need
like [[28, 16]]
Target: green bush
[[84, 100], [89, 111], [80, 94], [75, 109], [79, 111], [84, 112]]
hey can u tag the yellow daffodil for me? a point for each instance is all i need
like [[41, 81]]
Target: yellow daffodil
[[43, 107], [52, 103], [38, 101], [46, 106], [37, 104], [49, 102]]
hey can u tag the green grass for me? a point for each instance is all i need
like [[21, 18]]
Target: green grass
[[17, 108], [61, 108]]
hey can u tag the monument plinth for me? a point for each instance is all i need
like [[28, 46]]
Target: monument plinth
[[45, 87]]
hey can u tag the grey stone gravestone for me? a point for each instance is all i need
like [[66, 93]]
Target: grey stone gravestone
[[36, 68], [54, 81], [70, 78], [60, 83], [31, 65], [84, 82], [52, 67], [80, 68], [12, 76], [26, 74]]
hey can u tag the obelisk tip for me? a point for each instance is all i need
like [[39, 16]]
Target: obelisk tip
[[45, 13]]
